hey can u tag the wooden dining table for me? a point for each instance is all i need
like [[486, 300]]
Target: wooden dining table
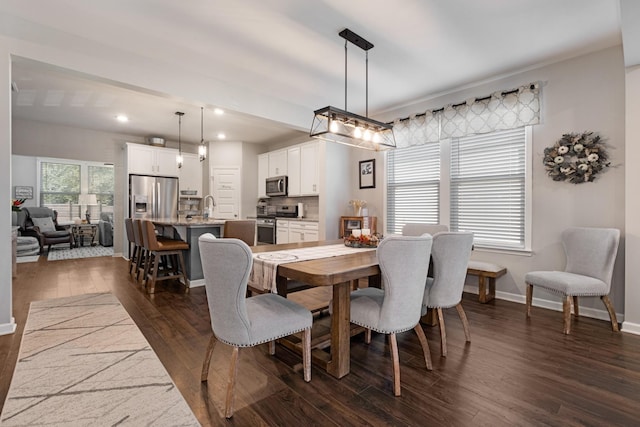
[[338, 272]]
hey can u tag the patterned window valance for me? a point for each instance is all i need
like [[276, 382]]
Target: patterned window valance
[[499, 111]]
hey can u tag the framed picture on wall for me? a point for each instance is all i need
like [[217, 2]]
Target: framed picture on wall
[[21, 192], [368, 173]]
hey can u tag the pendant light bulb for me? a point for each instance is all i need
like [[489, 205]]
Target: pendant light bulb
[[357, 132], [376, 137], [333, 127], [367, 135]]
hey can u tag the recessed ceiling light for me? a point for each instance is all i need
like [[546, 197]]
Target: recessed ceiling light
[[122, 118], [218, 111], [221, 135]]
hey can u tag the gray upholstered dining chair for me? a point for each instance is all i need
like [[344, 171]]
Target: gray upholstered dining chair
[[418, 229], [245, 322], [450, 253], [404, 262], [591, 255]]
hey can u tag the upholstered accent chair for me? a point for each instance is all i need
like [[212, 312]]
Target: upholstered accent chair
[[450, 254], [105, 228], [243, 229], [245, 322], [404, 262], [42, 223], [591, 256]]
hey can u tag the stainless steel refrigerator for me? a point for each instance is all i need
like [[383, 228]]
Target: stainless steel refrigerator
[[153, 197]]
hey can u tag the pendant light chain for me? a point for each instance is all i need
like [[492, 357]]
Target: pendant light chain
[[345, 75], [366, 79]]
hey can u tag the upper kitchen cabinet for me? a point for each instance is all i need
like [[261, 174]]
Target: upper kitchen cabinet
[[309, 169], [293, 168], [190, 174], [147, 160], [263, 173], [277, 163], [303, 170]]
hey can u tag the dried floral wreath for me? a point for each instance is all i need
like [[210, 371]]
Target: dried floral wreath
[[576, 158]]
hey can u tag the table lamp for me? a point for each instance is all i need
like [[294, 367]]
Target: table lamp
[[88, 200]]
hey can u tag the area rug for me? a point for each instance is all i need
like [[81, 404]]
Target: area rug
[[28, 258], [84, 362], [63, 252]]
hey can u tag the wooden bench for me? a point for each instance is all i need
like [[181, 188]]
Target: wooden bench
[[486, 272]]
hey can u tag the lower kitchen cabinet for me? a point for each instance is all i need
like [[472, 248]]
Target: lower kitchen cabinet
[[282, 231], [303, 231]]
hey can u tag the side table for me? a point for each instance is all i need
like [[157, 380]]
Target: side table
[[82, 231]]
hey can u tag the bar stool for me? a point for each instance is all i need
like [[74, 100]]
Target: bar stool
[[133, 259], [142, 250], [157, 248]]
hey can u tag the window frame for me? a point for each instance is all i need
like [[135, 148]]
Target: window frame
[[445, 193], [84, 183]]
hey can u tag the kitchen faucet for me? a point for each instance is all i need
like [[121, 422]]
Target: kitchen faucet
[[209, 207]]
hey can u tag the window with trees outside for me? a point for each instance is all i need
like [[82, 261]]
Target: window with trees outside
[[62, 181], [479, 183]]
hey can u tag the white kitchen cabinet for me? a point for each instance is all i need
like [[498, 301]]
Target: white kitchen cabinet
[[277, 163], [263, 174], [303, 231], [309, 170], [282, 231], [147, 160], [190, 174], [293, 171]]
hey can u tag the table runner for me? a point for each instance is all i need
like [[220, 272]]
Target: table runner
[[265, 264]]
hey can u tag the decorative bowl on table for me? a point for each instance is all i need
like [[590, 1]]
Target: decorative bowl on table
[[368, 241]]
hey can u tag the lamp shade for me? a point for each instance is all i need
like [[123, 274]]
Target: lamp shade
[[87, 199]]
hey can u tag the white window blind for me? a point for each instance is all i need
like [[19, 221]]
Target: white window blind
[[413, 186], [488, 187]]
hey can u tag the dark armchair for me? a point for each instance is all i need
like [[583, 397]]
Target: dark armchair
[[42, 223], [105, 229]]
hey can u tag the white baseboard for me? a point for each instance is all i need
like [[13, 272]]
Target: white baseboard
[[8, 328], [632, 328], [196, 283], [551, 305]]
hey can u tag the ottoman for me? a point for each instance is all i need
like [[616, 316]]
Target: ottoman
[[27, 245]]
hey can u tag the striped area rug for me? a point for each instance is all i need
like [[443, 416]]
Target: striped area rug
[[84, 362]]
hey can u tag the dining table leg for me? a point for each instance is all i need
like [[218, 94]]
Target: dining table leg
[[340, 330]]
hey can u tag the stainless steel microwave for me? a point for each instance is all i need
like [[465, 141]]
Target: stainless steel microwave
[[277, 186]]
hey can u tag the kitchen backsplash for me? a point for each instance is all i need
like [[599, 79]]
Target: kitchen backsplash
[[311, 206]]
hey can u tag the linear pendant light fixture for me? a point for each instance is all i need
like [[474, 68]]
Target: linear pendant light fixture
[[179, 158], [202, 149], [344, 127]]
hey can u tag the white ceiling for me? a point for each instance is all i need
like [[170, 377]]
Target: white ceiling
[[286, 52]]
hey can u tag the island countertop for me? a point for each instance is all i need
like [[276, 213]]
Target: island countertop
[[189, 223]]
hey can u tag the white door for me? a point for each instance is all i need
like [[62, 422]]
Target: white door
[[225, 185]]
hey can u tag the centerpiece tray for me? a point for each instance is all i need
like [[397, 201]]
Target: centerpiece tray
[[362, 241]]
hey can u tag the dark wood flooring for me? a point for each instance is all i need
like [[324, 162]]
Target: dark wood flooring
[[514, 372]]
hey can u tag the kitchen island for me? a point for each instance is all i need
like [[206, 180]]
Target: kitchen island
[[189, 231]]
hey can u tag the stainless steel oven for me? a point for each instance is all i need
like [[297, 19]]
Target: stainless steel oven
[[265, 231]]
